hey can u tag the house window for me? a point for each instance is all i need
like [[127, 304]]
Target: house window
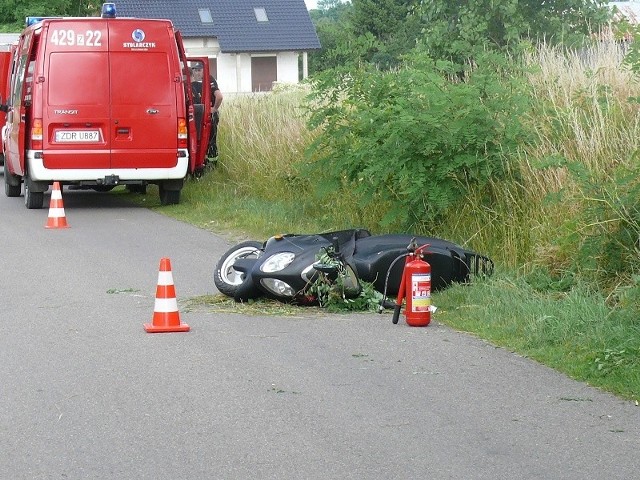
[[205, 15], [261, 14]]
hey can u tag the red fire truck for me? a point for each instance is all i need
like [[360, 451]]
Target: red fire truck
[[97, 102], [5, 62]]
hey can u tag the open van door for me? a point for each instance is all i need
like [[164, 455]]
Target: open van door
[[199, 121], [5, 62], [200, 98], [20, 84]]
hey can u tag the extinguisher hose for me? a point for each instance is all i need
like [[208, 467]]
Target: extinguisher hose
[[386, 284]]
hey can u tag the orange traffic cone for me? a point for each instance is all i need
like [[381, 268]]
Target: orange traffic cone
[[166, 317], [56, 209]]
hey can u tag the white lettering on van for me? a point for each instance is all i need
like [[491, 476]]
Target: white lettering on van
[[71, 38], [139, 44], [65, 112]]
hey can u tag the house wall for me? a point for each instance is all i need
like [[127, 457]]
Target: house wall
[[288, 67], [234, 69]]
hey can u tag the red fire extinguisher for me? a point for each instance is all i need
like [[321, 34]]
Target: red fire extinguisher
[[415, 286]]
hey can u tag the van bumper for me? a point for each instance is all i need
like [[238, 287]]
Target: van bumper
[[38, 172]]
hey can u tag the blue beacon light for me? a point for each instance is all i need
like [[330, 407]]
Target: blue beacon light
[[33, 20], [108, 10]]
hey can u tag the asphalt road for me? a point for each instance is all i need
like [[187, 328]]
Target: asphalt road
[[86, 393]]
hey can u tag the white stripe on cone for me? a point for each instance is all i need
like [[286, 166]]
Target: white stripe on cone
[[165, 278], [166, 305], [56, 212]]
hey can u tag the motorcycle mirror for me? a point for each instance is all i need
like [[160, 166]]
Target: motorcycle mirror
[[325, 268]]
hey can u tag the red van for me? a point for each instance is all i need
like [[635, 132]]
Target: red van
[[5, 62], [98, 102]]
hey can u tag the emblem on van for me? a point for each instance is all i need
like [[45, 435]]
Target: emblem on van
[[138, 43], [138, 35], [65, 112]]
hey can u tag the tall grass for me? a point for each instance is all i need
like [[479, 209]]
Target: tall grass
[[262, 138], [256, 187], [583, 113]]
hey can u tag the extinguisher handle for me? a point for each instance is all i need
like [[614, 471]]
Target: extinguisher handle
[[396, 314]]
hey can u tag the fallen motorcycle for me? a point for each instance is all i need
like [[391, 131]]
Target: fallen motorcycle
[[285, 267]]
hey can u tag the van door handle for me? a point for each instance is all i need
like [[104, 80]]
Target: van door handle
[[152, 111]]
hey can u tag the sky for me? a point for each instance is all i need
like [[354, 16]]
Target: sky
[[311, 4]]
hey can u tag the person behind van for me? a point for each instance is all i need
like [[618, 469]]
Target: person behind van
[[196, 83], [216, 101]]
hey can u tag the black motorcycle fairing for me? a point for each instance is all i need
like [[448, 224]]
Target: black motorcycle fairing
[[376, 259], [305, 248], [299, 274], [247, 290], [374, 256]]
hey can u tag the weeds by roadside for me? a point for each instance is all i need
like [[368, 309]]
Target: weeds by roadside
[[532, 223]]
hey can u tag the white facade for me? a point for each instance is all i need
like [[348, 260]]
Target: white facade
[[234, 69]]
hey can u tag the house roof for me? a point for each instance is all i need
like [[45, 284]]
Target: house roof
[[289, 27]]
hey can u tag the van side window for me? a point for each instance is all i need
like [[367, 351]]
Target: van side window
[[16, 97], [28, 83]]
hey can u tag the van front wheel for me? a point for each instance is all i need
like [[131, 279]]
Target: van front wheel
[[12, 186]]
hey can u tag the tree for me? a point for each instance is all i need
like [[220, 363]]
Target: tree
[[369, 31], [14, 12], [331, 20], [393, 25], [411, 141], [457, 28], [381, 18]]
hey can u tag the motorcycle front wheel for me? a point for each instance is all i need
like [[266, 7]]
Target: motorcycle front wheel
[[226, 278]]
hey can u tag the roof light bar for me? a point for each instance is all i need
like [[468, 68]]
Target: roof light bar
[[108, 10], [33, 20]]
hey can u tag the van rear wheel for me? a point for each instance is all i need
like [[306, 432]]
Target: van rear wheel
[[168, 197], [32, 199]]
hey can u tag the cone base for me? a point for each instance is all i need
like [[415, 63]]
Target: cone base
[[151, 328], [57, 226]]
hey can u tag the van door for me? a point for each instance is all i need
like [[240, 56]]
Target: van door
[[75, 98], [198, 124], [15, 135], [5, 63], [146, 86], [111, 95], [202, 112]]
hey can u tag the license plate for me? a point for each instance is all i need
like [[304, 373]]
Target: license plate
[[86, 136]]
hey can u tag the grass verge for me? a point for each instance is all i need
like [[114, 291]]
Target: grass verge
[[573, 332]]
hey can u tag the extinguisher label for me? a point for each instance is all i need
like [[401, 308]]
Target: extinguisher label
[[420, 292]]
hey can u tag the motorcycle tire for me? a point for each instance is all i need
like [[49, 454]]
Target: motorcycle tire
[[226, 279]]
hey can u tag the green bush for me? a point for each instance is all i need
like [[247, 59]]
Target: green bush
[[416, 140]]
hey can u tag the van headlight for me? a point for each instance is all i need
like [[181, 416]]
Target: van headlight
[[277, 262], [278, 287]]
